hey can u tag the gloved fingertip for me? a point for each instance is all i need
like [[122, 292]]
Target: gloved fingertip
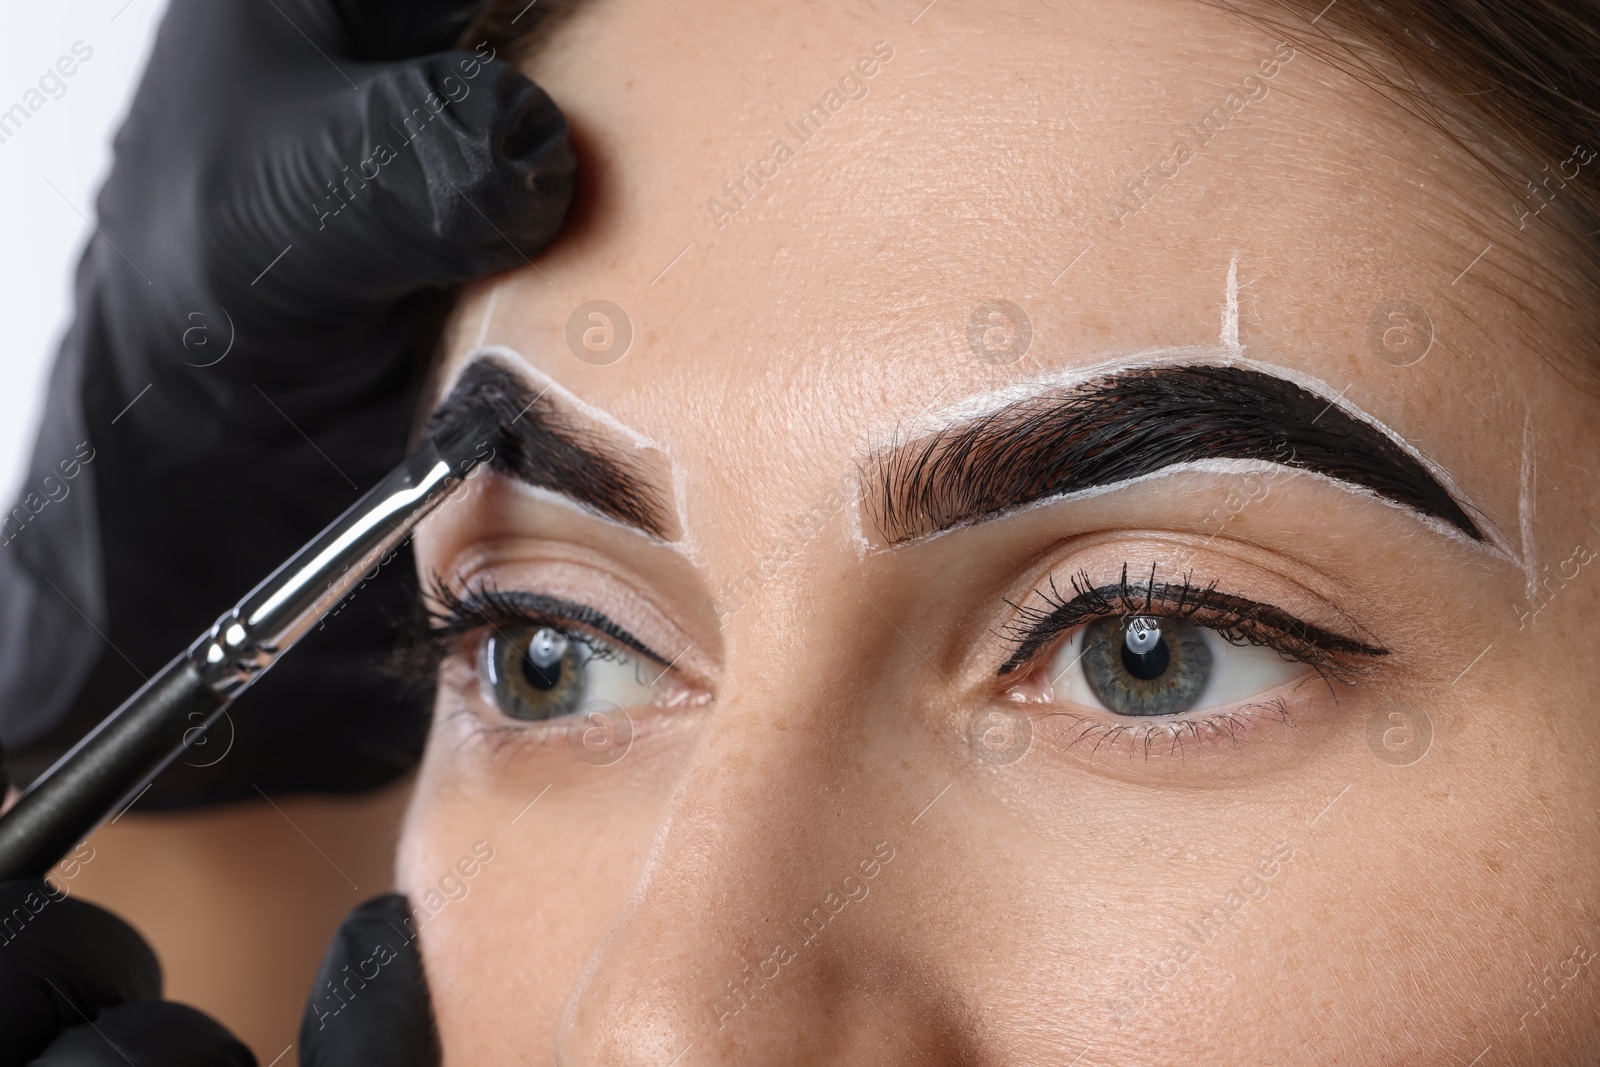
[[63, 960], [429, 175], [370, 1002], [151, 1033], [496, 167]]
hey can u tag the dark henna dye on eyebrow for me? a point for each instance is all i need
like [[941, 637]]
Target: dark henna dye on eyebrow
[[1135, 423], [540, 446]]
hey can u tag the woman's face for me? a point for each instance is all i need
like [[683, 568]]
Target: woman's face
[[1084, 558]]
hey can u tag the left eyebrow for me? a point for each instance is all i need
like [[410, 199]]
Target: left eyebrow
[[1127, 425]]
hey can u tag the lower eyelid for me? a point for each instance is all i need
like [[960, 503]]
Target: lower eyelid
[[1100, 734]]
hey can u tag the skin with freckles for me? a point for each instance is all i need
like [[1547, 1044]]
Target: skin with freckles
[[820, 824]]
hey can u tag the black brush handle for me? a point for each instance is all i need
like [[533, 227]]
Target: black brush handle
[[119, 757], [107, 767]]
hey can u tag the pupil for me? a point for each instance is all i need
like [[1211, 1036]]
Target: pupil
[[541, 665], [542, 678], [1144, 654]]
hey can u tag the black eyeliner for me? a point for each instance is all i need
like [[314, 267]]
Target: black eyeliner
[[1238, 620]]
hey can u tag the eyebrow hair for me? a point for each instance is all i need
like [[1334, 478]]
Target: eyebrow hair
[[1123, 426], [537, 445]]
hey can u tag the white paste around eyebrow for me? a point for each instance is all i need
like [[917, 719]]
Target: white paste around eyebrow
[[543, 384], [984, 404], [1525, 508], [1230, 310]]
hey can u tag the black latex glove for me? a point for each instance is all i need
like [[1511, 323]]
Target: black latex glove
[[79, 987], [370, 1002], [162, 489]]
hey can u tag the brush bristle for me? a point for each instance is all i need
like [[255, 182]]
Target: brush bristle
[[468, 427], [466, 441]]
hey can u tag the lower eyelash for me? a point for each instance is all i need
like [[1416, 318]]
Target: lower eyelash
[[1141, 737]]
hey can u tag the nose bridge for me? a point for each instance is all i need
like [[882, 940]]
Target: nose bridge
[[749, 935]]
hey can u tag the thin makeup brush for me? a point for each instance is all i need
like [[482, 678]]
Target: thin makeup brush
[[111, 764]]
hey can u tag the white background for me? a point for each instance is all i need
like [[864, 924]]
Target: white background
[[66, 143]]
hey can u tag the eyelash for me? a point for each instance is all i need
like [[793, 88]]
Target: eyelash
[[446, 615], [1237, 620]]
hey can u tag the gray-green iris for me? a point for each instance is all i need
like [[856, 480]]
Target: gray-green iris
[[1142, 665], [535, 672]]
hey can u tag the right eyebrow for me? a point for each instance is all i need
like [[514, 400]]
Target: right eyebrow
[[541, 447]]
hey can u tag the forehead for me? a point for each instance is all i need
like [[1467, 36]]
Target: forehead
[[817, 223]]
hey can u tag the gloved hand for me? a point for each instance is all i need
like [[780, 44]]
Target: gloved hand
[[295, 188], [79, 988], [370, 1001]]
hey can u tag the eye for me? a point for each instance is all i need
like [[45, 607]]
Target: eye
[[1155, 661], [1144, 665], [537, 672]]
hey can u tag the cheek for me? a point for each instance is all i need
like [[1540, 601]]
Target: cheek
[[494, 951], [502, 960]]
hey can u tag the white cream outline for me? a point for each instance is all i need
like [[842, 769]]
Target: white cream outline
[[684, 545], [488, 316], [854, 531], [1525, 505], [1228, 352], [1230, 310]]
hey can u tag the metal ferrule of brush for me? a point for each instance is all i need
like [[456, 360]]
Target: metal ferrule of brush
[[281, 610]]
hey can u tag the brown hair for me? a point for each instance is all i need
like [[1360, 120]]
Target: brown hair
[[1525, 70], [1515, 83], [517, 29]]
